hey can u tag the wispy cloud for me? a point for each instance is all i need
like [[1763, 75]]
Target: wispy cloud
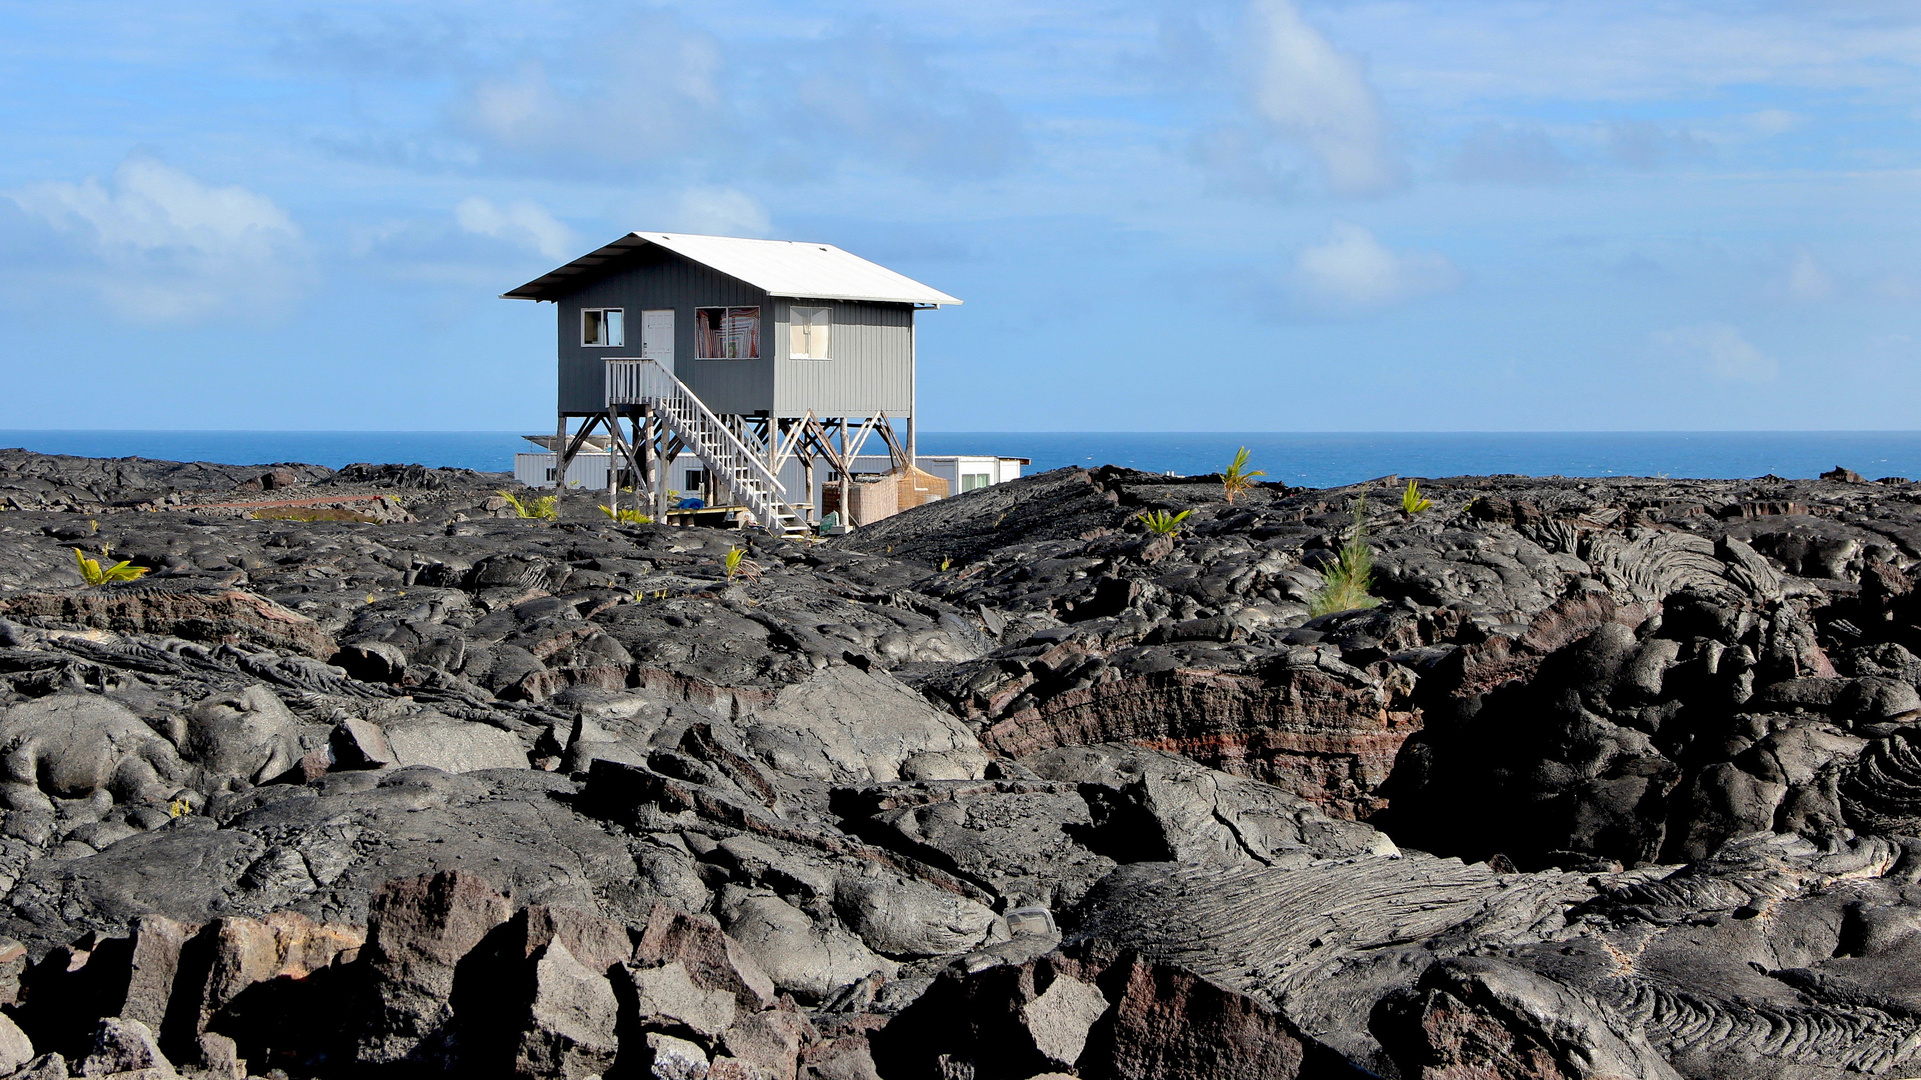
[[1307, 90], [720, 212], [1352, 271], [873, 91], [1719, 350], [1806, 280], [163, 246], [523, 222]]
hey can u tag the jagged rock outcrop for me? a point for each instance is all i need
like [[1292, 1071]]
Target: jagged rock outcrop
[[1618, 780]]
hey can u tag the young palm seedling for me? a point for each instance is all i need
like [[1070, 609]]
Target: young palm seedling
[[1236, 478], [1412, 501], [628, 517], [538, 507], [1345, 581], [738, 565], [1162, 523], [121, 571]]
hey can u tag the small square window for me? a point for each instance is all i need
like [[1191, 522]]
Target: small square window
[[603, 327], [974, 481], [807, 332], [696, 480]]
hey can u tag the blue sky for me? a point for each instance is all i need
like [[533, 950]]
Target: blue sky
[[1234, 215]]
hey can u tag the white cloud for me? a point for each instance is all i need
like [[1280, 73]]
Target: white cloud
[[162, 246], [522, 222], [720, 212], [1355, 271], [1806, 279], [639, 91], [1720, 350], [1313, 93]]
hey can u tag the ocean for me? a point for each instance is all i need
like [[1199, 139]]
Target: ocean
[[1316, 459]]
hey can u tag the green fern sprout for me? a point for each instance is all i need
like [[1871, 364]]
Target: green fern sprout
[[628, 517], [180, 807], [738, 565], [1346, 581], [537, 508], [945, 562], [1412, 502], [1235, 478], [1162, 523], [91, 572]]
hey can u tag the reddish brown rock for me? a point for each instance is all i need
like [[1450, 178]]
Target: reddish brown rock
[[418, 930], [1171, 1024], [713, 960], [1304, 730], [194, 611], [597, 943], [1129, 1019]]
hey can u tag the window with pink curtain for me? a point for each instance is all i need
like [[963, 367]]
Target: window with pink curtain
[[730, 333]]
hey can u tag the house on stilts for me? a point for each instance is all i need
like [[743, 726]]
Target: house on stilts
[[773, 365]]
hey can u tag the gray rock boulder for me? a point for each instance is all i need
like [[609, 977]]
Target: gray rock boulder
[[569, 1030], [665, 998], [1480, 1017], [250, 735], [844, 725], [16, 1050], [72, 745], [1152, 805], [898, 917], [455, 746], [125, 1046], [807, 959]]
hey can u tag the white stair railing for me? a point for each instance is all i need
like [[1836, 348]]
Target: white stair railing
[[645, 382]]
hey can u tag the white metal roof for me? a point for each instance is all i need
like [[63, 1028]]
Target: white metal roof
[[778, 267]]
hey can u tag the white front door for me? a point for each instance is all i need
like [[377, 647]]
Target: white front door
[[657, 337]]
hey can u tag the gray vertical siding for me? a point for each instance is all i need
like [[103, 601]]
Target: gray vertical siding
[[872, 345], [871, 367], [655, 278]]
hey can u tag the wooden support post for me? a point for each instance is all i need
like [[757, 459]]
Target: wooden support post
[[573, 447], [613, 462], [560, 441], [668, 453], [895, 452], [648, 460], [807, 479]]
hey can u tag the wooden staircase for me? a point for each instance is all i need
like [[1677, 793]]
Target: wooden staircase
[[720, 450]]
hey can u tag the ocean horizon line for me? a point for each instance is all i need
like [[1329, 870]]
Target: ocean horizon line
[[1297, 458]]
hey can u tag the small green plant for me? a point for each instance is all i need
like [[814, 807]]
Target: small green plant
[[945, 562], [1162, 523], [536, 507], [1345, 582], [628, 517], [1412, 501], [738, 565], [121, 571], [1236, 478], [180, 807]]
